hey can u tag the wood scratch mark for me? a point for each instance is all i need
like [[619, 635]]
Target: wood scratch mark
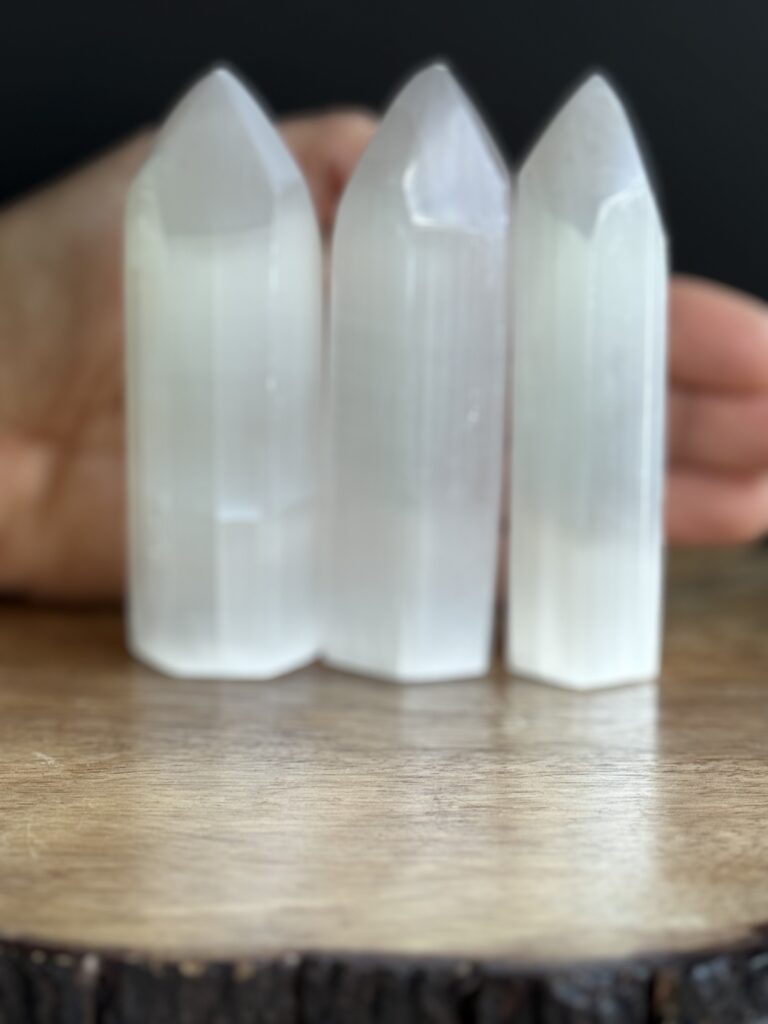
[[33, 843], [45, 757]]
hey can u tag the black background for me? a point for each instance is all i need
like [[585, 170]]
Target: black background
[[76, 76]]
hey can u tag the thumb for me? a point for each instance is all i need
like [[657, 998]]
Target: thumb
[[327, 148]]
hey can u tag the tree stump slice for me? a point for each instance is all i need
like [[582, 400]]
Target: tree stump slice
[[325, 849]]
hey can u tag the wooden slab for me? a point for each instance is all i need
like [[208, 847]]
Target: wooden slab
[[327, 848]]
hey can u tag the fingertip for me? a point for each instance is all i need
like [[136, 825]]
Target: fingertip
[[704, 509], [355, 121], [685, 286], [346, 135], [328, 146], [718, 337], [718, 433]]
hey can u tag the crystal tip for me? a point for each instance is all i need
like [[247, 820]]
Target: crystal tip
[[218, 162], [433, 150], [587, 154]]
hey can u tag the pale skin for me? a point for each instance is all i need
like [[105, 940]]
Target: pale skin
[[62, 490]]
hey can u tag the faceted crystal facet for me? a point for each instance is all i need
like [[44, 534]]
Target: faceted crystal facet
[[588, 404], [419, 330], [223, 342]]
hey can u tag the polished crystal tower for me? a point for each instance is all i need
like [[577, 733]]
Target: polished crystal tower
[[223, 343], [418, 340], [588, 404]]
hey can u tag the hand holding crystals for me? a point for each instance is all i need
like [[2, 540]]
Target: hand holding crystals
[[61, 439]]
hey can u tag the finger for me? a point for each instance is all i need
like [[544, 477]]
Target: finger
[[716, 509], [718, 338], [327, 148], [719, 432]]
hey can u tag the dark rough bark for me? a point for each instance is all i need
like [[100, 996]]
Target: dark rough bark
[[67, 987]]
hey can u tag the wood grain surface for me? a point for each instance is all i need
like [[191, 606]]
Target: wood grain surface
[[327, 848]]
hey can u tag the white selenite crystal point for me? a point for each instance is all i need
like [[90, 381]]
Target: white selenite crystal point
[[418, 358], [586, 158], [223, 342], [588, 405]]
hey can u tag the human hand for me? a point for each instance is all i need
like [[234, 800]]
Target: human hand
[[717, 485], [61, 403], [62, 491]]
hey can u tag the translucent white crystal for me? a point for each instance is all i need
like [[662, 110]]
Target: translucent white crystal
[[223, 343], [588, 404], [419, 331]]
